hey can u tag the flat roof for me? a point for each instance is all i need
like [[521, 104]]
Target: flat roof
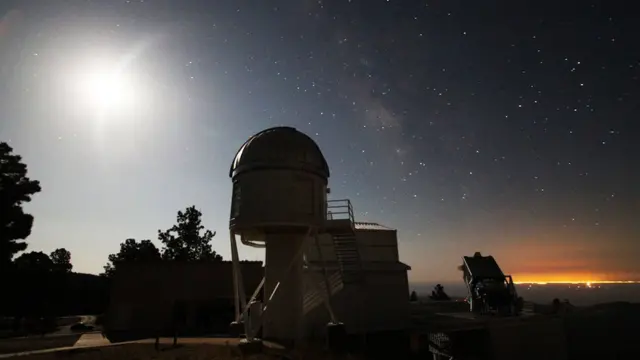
[[371, 226]]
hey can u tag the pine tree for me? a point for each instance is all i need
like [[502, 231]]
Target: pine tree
[[188, 240], [132, 251], [15, 190], [61, 259]]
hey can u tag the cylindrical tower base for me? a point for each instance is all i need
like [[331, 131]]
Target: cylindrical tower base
[[283, 315]]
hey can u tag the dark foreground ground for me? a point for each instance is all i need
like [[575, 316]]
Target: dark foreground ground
[[60, 336], [187, 349], [606, 331], [17, 345], [145, 349]]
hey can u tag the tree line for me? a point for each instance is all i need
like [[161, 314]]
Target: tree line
[[187, 240], [43, 284]]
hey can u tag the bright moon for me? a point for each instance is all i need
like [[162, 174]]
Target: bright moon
[[110, 94], [107, 91], [105, 86]]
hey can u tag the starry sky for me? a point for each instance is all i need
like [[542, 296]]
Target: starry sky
[[505, 127]]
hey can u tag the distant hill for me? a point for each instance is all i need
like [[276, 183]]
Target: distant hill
[[579, 295]]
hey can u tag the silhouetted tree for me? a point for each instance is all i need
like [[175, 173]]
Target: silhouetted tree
[[438, 293], [184, 241], [34, 262], [131, 251], [15, 190], [413, 297], [61, 259], [36, 286]]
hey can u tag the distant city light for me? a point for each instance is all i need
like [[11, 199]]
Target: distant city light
[[588, 283]]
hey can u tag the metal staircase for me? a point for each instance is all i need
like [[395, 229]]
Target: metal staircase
[[341, 225], [316, 293]]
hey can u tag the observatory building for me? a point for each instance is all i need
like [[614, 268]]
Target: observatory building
[[321, 265]]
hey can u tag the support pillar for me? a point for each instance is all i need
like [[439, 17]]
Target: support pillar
[[240, 301], [283, 268]]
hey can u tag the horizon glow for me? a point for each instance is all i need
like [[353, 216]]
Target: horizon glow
[[572, 282]]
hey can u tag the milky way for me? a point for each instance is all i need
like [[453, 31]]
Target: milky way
[[505, 127]]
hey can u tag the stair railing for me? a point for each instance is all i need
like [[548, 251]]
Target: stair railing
[[340, 209]]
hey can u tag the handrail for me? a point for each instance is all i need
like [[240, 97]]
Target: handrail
[[341, 208]]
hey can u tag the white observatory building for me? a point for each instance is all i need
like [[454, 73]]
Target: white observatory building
[[321, 266]]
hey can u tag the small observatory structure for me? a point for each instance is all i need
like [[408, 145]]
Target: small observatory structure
[[155, 297], [322, 268]]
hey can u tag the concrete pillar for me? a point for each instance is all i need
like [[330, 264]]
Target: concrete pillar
[[283, 263]]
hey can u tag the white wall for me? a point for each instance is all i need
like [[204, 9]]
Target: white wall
[[380, 302], [377, 245], [387, 300], [326, 246], [373, 245]]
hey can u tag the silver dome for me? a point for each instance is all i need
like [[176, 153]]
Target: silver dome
[[280, 148]]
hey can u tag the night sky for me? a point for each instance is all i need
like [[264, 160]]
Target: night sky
[[507, 127]]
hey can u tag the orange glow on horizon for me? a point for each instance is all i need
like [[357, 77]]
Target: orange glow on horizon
[[576, 278], [587, 282]]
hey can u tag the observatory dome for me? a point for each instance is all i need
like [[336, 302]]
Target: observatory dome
[[280, 148]]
